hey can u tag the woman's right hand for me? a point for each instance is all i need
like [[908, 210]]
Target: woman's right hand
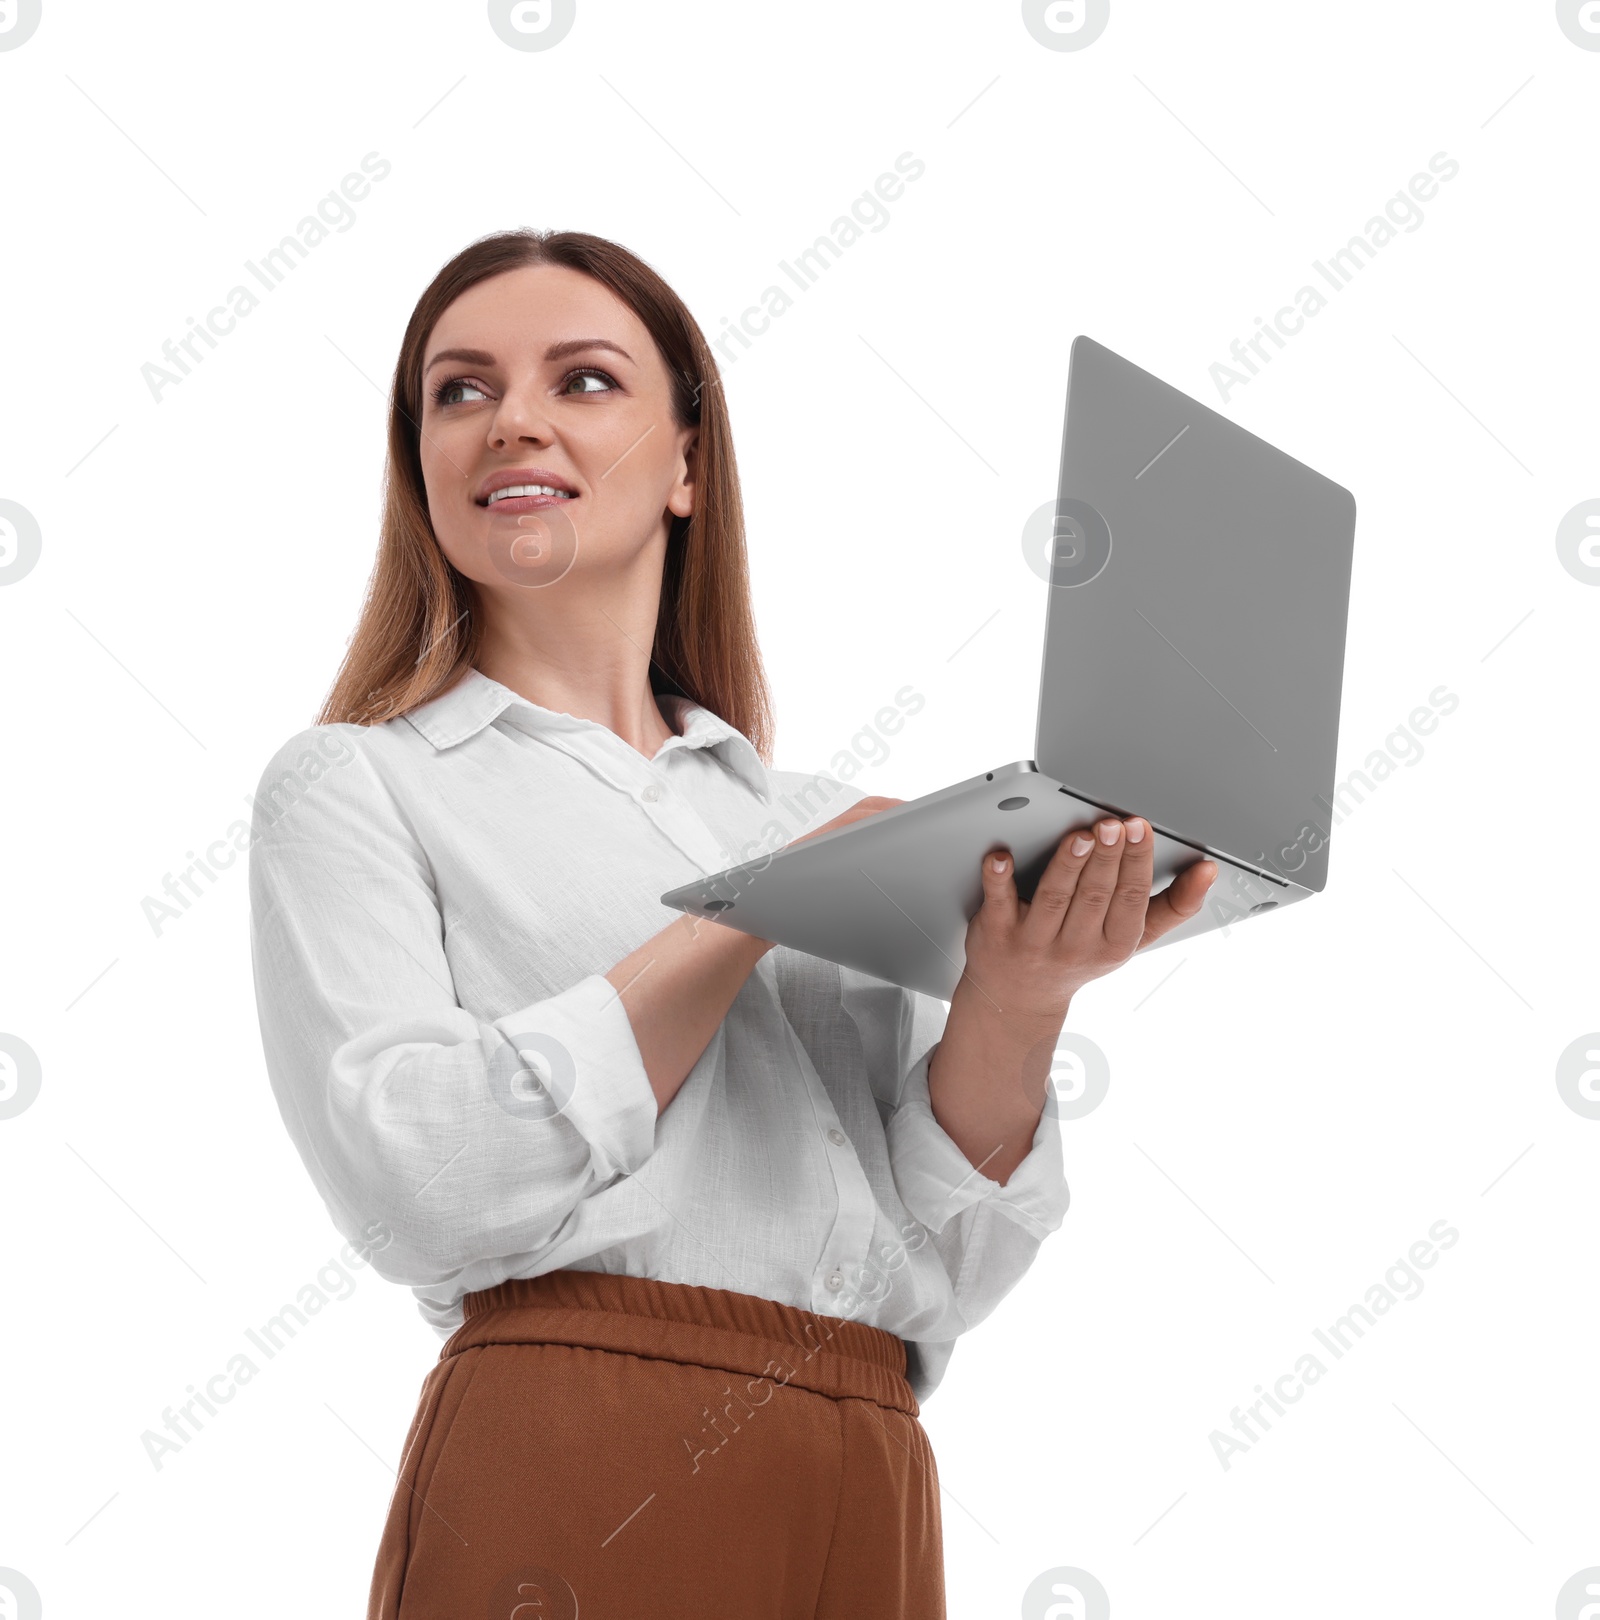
[[694, 973]]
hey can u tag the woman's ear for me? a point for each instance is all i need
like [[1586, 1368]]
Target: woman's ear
[[680, 500]]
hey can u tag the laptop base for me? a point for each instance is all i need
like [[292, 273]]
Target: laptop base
[[892, 895]]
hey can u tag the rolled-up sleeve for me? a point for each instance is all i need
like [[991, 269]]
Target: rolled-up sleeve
[[985, 1234], [465, 1138], [937, 1182]]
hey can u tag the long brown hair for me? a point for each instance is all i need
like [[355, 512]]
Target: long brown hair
[[421, 628]]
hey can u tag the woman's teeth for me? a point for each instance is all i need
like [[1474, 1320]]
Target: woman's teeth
[[513, 490]]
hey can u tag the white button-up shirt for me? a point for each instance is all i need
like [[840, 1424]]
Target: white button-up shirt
[[434, 904]]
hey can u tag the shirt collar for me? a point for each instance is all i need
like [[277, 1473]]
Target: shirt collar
[[476, 701]]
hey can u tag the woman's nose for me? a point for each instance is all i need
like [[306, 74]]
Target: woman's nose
[[522, 415]]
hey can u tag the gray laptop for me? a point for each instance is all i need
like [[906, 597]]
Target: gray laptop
[[1199, 584]]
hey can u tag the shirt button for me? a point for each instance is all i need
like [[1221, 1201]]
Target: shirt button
[[651, 794], [836, 1137], [835, 1281]]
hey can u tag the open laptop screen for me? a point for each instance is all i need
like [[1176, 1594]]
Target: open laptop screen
[[1195, 636]]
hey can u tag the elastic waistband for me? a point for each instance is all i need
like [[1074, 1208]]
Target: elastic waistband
[[706, 1327]]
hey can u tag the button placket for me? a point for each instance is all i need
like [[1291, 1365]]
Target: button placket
[[676, 819], [851, 1238]]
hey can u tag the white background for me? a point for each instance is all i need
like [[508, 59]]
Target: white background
[[1291, 1108]]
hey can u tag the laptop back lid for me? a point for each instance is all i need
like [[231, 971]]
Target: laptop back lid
[[1194, 643]]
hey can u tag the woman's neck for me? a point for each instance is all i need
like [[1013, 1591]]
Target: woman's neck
[[615, 694]]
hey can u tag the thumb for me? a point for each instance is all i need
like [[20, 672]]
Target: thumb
[[1000, 886], [1195, 884]]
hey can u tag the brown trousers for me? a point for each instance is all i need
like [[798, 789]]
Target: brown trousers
[[612, 1446]]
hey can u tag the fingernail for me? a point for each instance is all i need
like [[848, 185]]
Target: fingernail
[[1082, 844], [998, 862], [1135, 832], [1108, 831]]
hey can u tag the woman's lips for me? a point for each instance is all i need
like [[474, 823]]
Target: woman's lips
[[531, 503]]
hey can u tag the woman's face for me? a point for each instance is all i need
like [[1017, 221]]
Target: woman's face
[[544, 376]]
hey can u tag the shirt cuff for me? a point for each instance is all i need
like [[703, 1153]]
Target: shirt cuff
[[575, 1054], [936, 1181]]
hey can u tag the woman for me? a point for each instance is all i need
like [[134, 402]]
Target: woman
[[701, 1217]]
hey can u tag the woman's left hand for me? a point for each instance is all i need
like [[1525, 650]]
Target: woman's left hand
[[1090, 912]]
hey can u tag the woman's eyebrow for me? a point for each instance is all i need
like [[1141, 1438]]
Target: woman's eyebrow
[[556, 351], [559, 351]]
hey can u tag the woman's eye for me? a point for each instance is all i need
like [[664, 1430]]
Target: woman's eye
[[445, 392], [590, 376], [591, 380]]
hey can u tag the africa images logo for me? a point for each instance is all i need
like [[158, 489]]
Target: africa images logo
[[1580, 22], [1066, 25], [19, 1597], [532, 25], [21, 1077], [20, 540], [18, 19]]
